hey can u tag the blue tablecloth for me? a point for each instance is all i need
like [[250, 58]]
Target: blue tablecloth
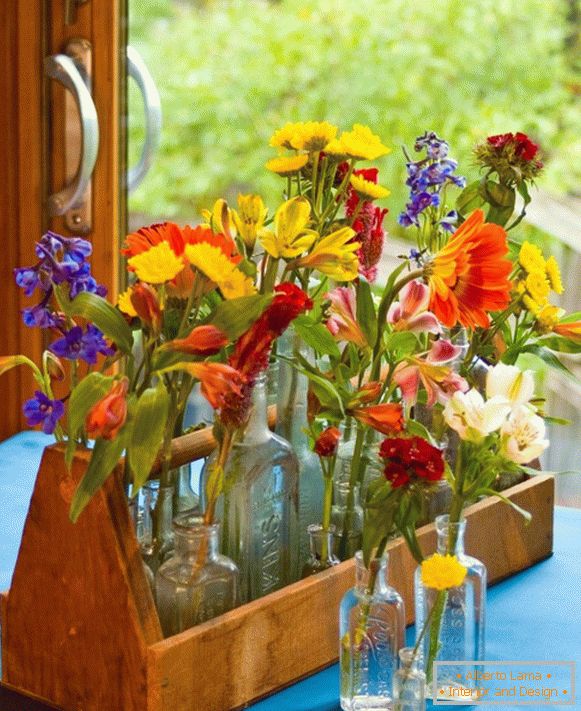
[[535, 615]]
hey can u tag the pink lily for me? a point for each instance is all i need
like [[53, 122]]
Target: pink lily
[[411, 313], [342, 321], [438, 379]]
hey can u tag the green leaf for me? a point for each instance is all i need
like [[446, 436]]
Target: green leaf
[[84, 396], [9, 362], [491, 492], [470, 198], [366, 314], [401, 344], [104, 458], [214, 482], [548, 357], [569, 318], [106, 317], [560, 344], [501, 200], [549, 419], [235, 316], [149, 422], [416, 429], [322, 386], [316, 335]]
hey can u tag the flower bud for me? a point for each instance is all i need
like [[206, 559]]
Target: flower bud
[[146, 304], [108, 415], [369, 392], [327, 442], [202, 341]]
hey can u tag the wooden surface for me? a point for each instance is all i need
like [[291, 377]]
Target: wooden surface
[[276, 640], [80, 614], [12, 699]]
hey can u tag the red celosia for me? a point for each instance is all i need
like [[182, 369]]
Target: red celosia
[[327, 442], [202, 341], [108, 415], [411, 459]]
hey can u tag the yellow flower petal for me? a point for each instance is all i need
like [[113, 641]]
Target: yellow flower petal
[[250, 218], [284, 137], [334, 255], [442, 572], [368, 190], [212, 262], [287, 165], [124, 303], [538, 286], [360, 143], [554, 274], [158, 265], [290, 237], [313, 136], [531, 258]]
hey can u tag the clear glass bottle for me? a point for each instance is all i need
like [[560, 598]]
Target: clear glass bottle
[[137, 515], [347, 548], [409, 683], [371, 631], [196, 583], [184, 497], [463, 620], [260, 506], [370, 462], [157, 533], [322, 550], [292, 425]]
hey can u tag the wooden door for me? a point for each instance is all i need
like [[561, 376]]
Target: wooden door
[[33, 130]]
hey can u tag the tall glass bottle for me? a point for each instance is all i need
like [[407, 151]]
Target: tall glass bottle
[[409, 684], [292, 425], [349, 544], [463, 618], [184, 497], [371, 631], [260, 506], [322, 550], [157, 538], [196, 583]]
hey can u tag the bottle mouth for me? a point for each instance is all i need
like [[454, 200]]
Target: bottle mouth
[[317, 529], [443, 523], [193, 524]]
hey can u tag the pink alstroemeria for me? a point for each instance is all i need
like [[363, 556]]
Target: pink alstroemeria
[[438, 379], [411, 313], [342, 321]]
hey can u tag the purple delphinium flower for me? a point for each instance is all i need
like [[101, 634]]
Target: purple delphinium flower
[[427, 177], [76, 345], [42, 410]]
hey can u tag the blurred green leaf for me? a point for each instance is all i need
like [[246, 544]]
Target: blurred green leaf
[[316, 335]]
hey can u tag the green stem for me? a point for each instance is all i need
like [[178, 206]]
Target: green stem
[[353, 479]]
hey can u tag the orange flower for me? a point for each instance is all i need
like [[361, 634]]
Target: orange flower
[[218, 381], [108, 415], [387, 418], [327, 442], [571, 329], [469, 276], [144, 300], [202, 341]]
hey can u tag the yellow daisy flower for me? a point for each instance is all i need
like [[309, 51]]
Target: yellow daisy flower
[[284, 137], [538, 286], [249, 219], [158, 265], [290, 237], [368, 190], [531, 305], [442, 572], [287, 165], [124, 303], [554, 274], [334, 256], [531, 258], [313, 136], [360, 143], [212, 262]]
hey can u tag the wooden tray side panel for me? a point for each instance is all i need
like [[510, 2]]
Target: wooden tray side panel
[[265, 645], [79, 615]]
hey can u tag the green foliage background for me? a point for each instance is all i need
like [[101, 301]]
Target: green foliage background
[[230, 73]]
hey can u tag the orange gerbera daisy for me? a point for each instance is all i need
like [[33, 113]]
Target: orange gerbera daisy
[[469, 276]]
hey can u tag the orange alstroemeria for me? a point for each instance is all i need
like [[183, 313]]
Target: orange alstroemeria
[[386, 418], [571, 330], [218, 381], [202, 341], [342, 321], [144, 300], [468, 277], [108, 415]]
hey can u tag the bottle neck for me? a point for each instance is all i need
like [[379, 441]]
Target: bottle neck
[[322, 542], [409, 661], [341, 494], [292, 390], [195, 539], [363, 575], [257, 428], [450, 536], [157, 512]]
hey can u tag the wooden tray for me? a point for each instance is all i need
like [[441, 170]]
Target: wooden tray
[[79, 626]]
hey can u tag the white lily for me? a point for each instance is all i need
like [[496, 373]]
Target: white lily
[[523, 436], [507, 381], [472, 417]]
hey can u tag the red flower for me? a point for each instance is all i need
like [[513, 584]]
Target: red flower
[[108, 415], [523, 146], [202, 341], [411, 459], [327, 442]]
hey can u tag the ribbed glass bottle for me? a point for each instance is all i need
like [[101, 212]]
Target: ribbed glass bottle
[[409, 684], [462, 626], [322, 550]]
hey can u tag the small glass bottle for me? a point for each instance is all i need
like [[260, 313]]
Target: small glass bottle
[[322, 553], [260, 506], [137, 515], [157, 533], [184, 497], [409, 683], [347, 547], [196, 583], [371, 631], [461, 635], [292, 425]]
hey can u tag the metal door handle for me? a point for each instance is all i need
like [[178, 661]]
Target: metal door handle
[[69, 70], [138, 71]]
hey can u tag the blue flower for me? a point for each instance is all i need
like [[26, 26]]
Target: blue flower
[[76, 345], [27, 279], [42, 410]]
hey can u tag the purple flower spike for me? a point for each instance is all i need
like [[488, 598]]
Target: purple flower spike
[[42, 410], [76, 345]]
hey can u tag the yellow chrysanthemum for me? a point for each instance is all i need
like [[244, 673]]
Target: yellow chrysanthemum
[[442, 572], [531, 305], [360, 143], [212, 262], [290, 237], [368, 190], [554, 274], [334, 255], [313, 136], [548, 317], [531, 258], [287, 165], [158, 265], [283, 137], [219, 219], [249, 219], [538, 286], [124, 303]]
